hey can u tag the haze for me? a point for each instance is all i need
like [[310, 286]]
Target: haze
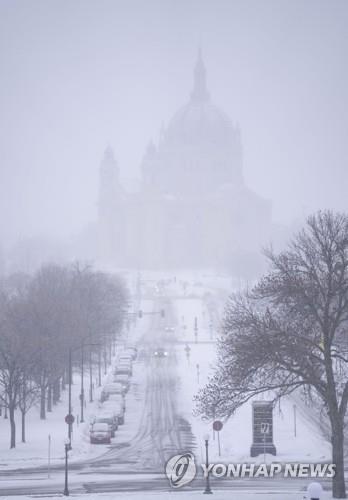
[[79, 75]]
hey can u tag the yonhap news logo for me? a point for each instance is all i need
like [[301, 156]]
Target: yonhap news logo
[[181, 470]]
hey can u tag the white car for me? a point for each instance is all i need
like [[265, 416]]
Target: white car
[[117, 408], [128, 357], [116, 398], [114, 388], [123, 369], [107, 417], [123, 379]]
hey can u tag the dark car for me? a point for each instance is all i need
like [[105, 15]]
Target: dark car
[[160, 352], [100, 433]]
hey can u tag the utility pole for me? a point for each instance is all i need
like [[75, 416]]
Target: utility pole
[[82, 395]]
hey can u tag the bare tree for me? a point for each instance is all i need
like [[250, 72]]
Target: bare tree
[[28, 396], [290, 332], [49, 322], [15, 355]]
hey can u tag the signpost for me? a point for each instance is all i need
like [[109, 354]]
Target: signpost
[[188, 351], [295, 426], [217, 426], [198, 373], [49, 457], [69, 419], [262, 429], [196, 329]]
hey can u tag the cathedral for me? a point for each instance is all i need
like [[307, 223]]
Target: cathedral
[[193, 208]]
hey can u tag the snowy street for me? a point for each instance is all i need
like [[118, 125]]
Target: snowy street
[[159, 422]]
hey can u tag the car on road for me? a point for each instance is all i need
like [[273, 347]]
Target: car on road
[[160, 352], [169, 329], [100, 433]]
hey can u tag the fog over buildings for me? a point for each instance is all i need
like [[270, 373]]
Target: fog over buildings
[[77, 77]]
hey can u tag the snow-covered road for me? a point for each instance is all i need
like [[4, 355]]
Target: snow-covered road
[[159, 419]]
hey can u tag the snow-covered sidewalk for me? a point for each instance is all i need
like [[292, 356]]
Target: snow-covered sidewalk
[[54, 429]]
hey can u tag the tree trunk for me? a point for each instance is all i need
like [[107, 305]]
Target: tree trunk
[[338, 483], [56, 391], [49, 398], [12, 425], [23, 426], [43, 403]]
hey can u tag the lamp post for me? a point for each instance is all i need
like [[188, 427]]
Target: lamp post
[[82, 395], [69, 410], [66, 487], [207, 490], [99, 368]]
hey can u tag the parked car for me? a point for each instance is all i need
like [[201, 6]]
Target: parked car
[[116, 398], [133, 350], [124, 361], [117, 409], [108, 418], [123, 370], [100, 433], [113, 388], [124, 356], [123, 379]]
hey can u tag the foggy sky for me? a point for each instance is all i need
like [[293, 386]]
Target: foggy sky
[[79, 75]]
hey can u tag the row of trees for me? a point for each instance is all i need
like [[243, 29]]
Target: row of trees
[[290, 332], [44, 316]]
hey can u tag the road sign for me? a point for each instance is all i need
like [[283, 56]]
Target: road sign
[[69, 419], [217, 425]]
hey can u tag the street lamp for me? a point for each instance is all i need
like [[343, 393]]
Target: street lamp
[[82, 395], [207, 490], [67, 448]]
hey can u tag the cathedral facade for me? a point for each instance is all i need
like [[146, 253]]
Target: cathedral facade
[[193, 209]]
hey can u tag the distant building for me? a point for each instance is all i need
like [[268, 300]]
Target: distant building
[[193, 208]]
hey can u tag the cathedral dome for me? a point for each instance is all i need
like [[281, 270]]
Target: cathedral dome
[[199, 151], [200, 121]]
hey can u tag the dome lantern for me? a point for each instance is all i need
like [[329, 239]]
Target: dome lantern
[[200, 92]]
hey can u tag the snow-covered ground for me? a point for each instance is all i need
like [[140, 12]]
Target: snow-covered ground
[[185, 495], [236, 435], [38, 432], [192, 296]]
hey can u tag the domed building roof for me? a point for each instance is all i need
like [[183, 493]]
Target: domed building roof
[[200, 150], [200, 118]]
